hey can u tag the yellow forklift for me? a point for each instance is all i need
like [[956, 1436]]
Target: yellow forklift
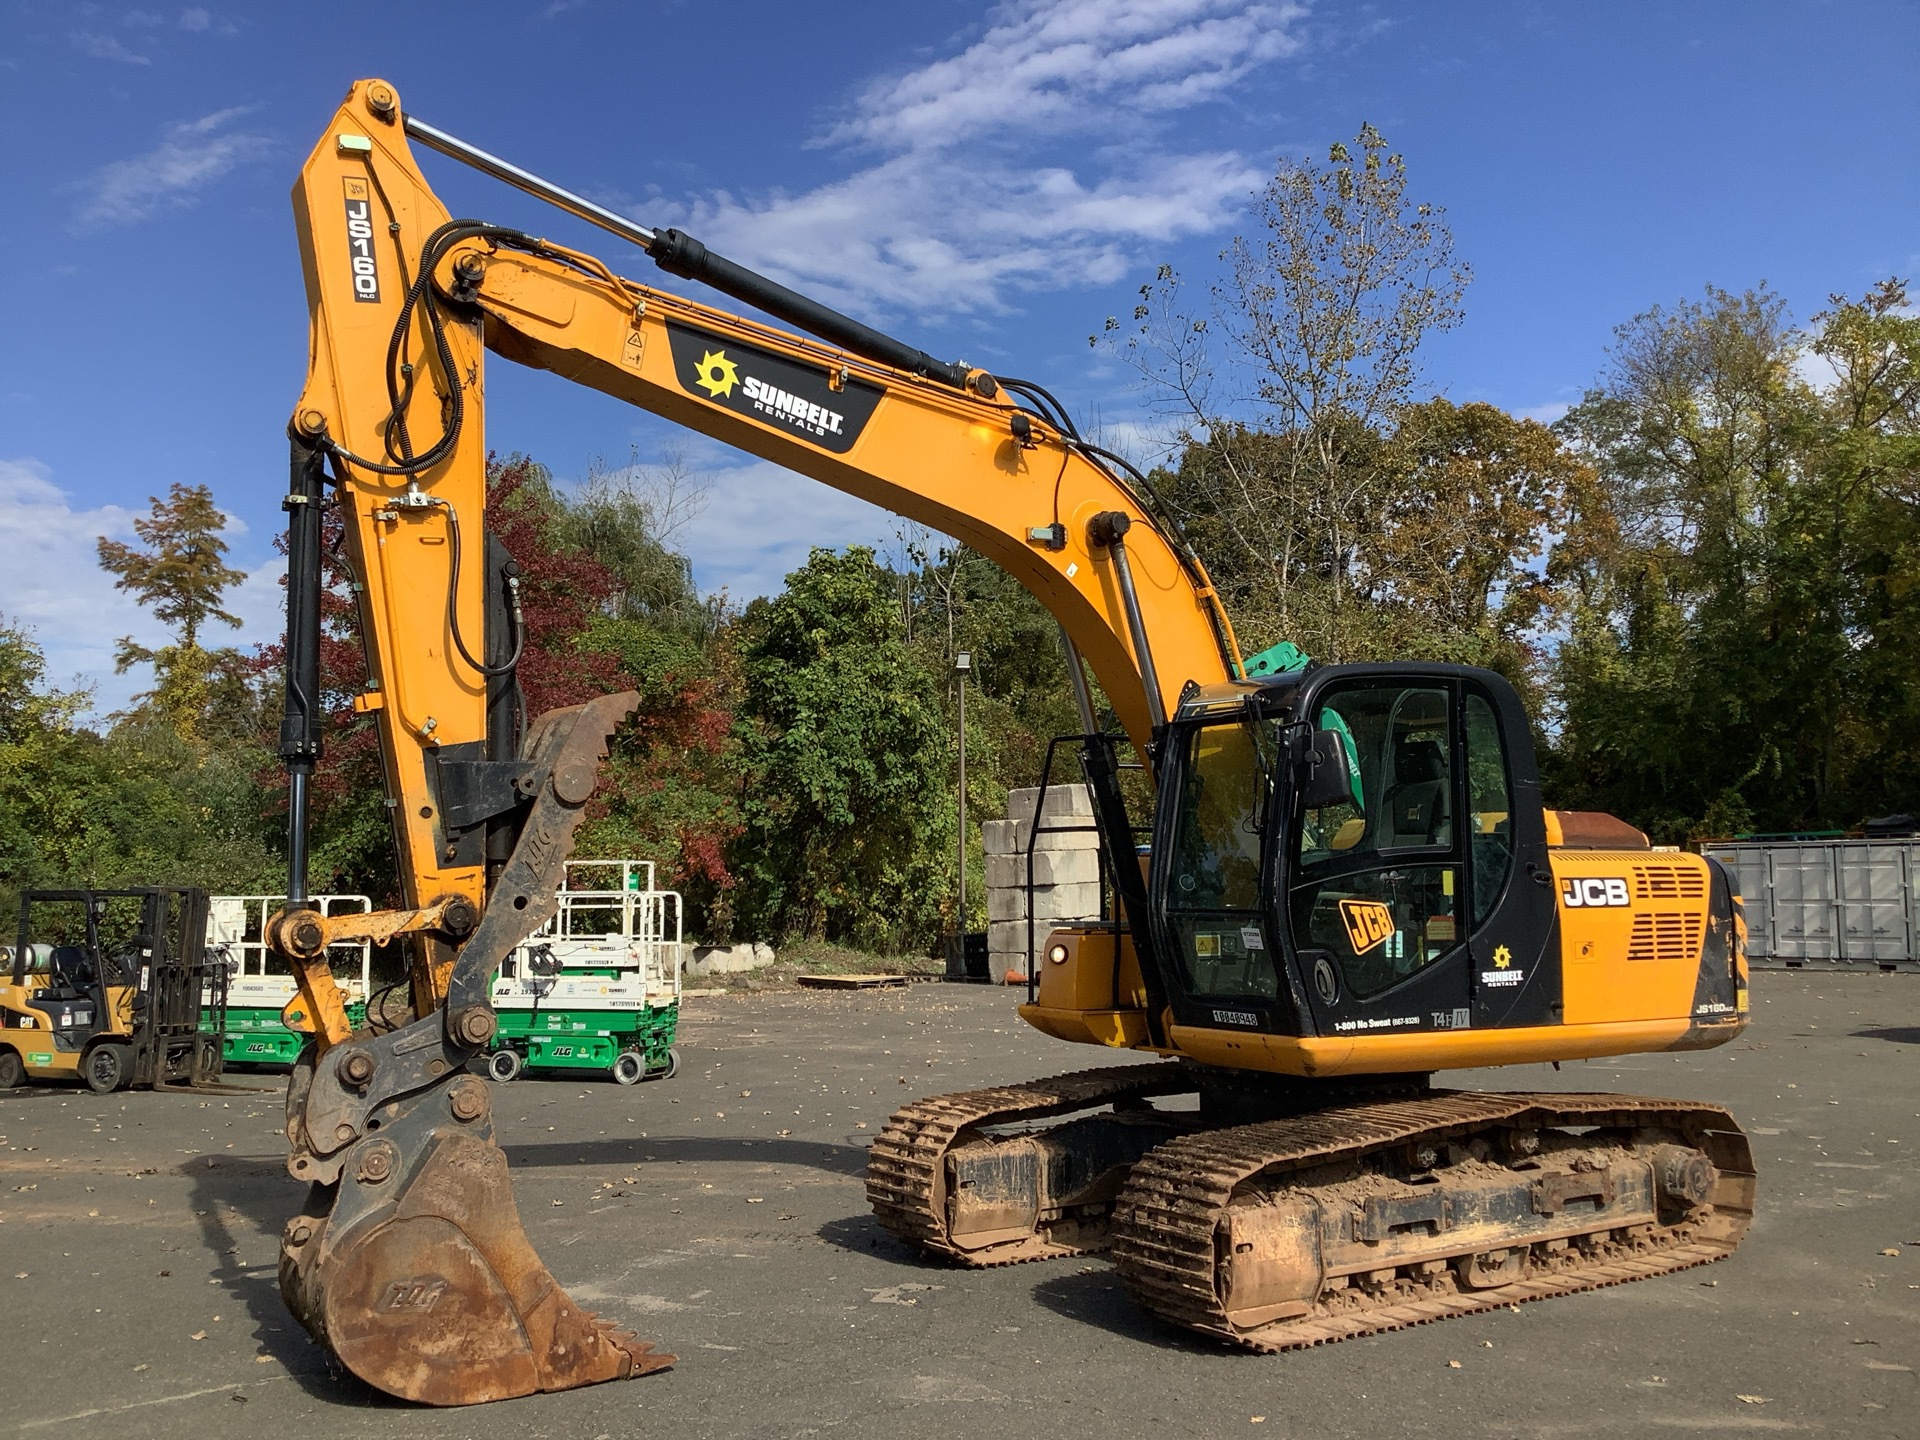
[[107, 986]]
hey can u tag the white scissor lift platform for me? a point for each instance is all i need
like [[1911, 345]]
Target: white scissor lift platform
[[598, 987]]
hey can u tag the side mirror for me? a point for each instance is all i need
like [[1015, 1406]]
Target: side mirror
[[1324, 775]]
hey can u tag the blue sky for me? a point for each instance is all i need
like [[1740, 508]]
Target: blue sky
[[989, 181]]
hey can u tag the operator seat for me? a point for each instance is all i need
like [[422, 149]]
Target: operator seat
[[1417, 803], [69, 973]]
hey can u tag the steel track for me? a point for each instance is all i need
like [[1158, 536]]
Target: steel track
[[1168, 1213], [906, 1165], [1175, 1199]]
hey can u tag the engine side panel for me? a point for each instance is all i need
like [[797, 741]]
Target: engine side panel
[[1634, 926]]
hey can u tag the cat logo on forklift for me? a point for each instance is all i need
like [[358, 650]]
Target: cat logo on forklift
[[1369, 923], [1594, 892]]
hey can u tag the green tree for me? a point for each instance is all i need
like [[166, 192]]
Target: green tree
[[1284, 394], [1739, 655], [137, 806], [181, 577], [846, 798], [952, 598], [1456, 572], [1870, 475], [50, 782]]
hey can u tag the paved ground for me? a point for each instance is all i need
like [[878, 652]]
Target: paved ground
[[722, 1213]]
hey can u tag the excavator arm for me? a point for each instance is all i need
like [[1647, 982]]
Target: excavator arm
[[409, 1250]]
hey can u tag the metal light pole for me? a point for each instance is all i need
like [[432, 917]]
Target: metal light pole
[[962, 665]]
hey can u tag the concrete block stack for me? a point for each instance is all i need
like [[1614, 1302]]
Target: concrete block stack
[[1066, 872]]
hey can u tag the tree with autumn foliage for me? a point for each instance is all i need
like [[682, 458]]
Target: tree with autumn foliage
[[1282, 389], [664, 794], [1745, 582]]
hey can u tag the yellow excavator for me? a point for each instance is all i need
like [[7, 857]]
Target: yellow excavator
[[1349, 882]]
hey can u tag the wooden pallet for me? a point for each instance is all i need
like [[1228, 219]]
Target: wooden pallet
[[850, 982]]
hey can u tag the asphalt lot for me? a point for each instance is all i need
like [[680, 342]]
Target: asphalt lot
[[722, 1214]]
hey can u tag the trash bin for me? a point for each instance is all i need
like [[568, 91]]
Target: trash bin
[[966, 956]]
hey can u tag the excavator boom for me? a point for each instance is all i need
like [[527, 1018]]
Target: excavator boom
[[409, 1244]]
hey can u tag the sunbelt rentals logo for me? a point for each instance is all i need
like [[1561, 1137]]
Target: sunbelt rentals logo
[[718, 375], [1502, 976], [828, 409]]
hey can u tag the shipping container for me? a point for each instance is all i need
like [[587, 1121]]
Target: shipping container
[[1847, 902]]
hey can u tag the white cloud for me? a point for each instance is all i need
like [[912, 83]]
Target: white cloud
[[1815, 369], [101, 46], [1044, 65], [191, 156], [53, 585], [965, 199], [196, 20], [760, 521], [1545, 414]]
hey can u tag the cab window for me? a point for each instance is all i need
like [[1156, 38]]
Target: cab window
[[1375, 883]]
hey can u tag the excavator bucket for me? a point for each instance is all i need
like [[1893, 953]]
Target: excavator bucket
[[409, 1260], [425, 1285]]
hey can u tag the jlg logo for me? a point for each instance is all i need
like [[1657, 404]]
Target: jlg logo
[[366, 278], [1593, 893], [1368, 922], [413, 1294]]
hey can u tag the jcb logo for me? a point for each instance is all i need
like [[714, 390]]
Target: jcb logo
[[1594, 892], [1368, 922]]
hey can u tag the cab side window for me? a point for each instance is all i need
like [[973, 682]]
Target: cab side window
[[1490, 809]]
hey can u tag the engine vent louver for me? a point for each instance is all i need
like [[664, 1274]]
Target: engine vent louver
[[1666, 935], [1668, 882]]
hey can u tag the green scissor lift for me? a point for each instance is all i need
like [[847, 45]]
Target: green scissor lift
[[598, 987]]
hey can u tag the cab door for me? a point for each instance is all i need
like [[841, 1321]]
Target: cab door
[[1376, 891]]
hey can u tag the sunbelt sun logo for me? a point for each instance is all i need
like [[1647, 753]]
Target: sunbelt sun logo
[[718, 375], [827, 409]]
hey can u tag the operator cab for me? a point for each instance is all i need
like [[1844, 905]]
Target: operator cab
[[1353, 850]]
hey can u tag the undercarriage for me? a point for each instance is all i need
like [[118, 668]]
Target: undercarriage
[[1284, 1213]]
